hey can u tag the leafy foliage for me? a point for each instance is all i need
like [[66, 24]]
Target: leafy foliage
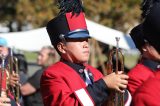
[[7, 9], [114, 13], [37, 12], [119, 14]]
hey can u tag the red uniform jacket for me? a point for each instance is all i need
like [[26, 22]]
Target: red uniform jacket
[[137, 76], [149, 93], [62, 86]]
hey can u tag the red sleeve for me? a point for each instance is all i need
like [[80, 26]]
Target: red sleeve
[[55, 92], [137, 76], [148, 94]]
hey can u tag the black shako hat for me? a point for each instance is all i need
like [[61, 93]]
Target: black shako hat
[[70, 23], [151, 26], [137, 36]]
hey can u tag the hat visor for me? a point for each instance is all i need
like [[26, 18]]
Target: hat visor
[[78, 34]]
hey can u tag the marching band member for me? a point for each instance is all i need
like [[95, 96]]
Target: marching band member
[[147, 38], [71, 81], [6, 98]]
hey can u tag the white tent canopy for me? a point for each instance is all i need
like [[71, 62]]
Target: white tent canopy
[[34, 40], [107, 35]]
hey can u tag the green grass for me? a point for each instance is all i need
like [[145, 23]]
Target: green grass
[[31, 56], [130, 60]]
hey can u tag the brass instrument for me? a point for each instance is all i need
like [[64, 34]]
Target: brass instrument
[[9, 69], [116, 98], [13, 67], [17, 89]]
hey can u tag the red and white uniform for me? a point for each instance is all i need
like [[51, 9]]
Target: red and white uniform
[[62, 86]]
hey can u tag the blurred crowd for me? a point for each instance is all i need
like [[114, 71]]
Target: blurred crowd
[[29, 86]]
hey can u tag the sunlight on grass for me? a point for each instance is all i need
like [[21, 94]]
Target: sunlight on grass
[[130, 60], [31, 56]]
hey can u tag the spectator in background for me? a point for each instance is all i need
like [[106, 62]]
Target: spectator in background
[[31, 89]]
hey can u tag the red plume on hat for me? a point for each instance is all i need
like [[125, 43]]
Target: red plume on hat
[[70, 22]]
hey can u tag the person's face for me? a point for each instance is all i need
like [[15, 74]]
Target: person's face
[[4, 50], [151, 52], [76, 50], [43, 56]]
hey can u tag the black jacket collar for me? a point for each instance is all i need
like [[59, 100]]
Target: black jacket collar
[[75, 66], [151, 64]]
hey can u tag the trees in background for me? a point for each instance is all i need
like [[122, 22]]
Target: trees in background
[[19, 13], [118, 14], [7, 11]]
